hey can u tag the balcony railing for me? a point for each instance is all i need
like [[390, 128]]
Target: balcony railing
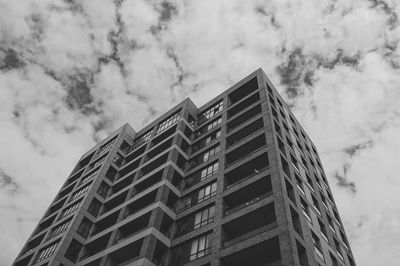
[[248, 203], [254, 173]]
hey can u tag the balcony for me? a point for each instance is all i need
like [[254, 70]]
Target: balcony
[[243, 91], [95, 246], [133, 156], [105, 223], [245, 150], [249, 225], [126, 254], [114, 202], [246, 170], [82, 163], [243, 105], [33, 243], [244, 133], [160, 138], [130, 167], [132, 227], [242, 118], [266, 253], [153, 165], [248, 195], [140, 203], [148, 182], [123, 184]]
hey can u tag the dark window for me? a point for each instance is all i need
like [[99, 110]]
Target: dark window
[[94, 207], [103, 189], [199, 248], [73, 250], [84, 227]]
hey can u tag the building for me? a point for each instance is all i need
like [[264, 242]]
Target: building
[[234, 182]]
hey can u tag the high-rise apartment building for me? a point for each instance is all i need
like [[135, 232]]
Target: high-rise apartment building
[[234, 182]]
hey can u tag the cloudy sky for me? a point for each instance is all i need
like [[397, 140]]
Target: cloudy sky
[[71, 72]]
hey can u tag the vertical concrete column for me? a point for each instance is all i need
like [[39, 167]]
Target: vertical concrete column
[[277, 179]]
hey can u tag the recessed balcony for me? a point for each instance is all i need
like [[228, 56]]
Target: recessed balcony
[[248, 195], [249, 225], [245, 150], [242, 118], [132, 227], [243, 91], [126, 254], [244, 133], [266, 253], [243, 105], [246, 170]]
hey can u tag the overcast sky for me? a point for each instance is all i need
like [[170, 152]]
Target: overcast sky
[[71, 72]]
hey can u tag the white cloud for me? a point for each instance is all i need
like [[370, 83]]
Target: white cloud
[[81, 69]]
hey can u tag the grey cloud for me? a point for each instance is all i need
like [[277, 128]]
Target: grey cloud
[[354, 149], [166, 10], [79, 97], [37, 25], [339, 59], [294, 72], [342, 179], [393, 19], [10, 59], [263, 11], [8, 183]]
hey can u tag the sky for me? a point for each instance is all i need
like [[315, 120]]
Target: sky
[[71, 72]]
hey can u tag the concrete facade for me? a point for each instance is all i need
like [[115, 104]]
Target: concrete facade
[[234, 182]]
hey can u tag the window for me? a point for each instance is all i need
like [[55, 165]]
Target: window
[[99, 162], [103, 190], [168, 122], [200, 247], [105, 148], [211, 112], [191, 121], [210, 153], [204, 217], [94, 207], [214, 124], [84, 227], [306, 211], [80, 192], [300, 184], [185, 203], [209, 171], [334, 260], [207, 192], [46, 252], [316, 205], [73, 250], [310, 183], [317, 246], [213, 137], [279, 102], [344, 239], [331, 226], [338, 249], [290, 143], [70, 209], [209, 127], [139, 141], [294, 163], [336, 215], [118, 159], [59, 229], [322, 228], [89, 177]]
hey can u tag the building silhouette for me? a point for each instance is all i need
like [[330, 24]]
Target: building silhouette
[[234, 182]]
